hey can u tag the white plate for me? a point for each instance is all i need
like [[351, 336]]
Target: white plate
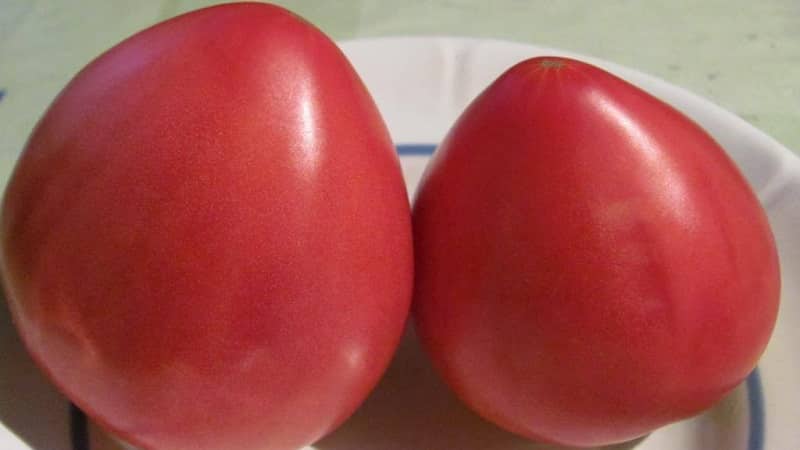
[[421, 86]]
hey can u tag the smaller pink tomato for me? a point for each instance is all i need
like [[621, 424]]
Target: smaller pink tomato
[[590, 264]]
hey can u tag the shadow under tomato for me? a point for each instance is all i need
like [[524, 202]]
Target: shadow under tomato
[[30, 406], [411, 408]]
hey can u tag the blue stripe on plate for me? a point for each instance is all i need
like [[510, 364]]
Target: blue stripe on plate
[[78, 428], [755, 401], [415, 149]]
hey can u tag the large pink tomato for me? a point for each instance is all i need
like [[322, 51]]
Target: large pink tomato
[[206, 242], [590, 263]]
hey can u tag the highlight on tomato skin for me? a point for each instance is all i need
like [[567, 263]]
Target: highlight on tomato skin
[[206, 242], [589, 263]]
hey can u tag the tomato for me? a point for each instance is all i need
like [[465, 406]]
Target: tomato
[[207, 241], [590, 264]]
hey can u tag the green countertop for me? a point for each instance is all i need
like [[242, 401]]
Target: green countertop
[[742, 54]]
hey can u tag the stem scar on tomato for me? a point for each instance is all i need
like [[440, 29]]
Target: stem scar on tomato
[[552, 64]]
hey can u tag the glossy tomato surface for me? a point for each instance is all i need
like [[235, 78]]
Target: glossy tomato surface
[[206, 242], [590, 264]]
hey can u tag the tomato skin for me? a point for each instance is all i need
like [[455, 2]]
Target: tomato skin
[[207, 240], [590, 264]]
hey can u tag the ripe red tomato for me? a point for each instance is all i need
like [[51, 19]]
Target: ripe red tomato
[[590, 264], [207, 241]]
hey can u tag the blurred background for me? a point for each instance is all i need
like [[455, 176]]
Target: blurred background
[[744, 55]]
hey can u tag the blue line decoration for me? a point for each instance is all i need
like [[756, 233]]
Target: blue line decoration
[[2, 94], [78, 428], [755, 403], [415, 149]]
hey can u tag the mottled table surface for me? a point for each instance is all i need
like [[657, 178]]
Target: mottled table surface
[[742, 54]]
